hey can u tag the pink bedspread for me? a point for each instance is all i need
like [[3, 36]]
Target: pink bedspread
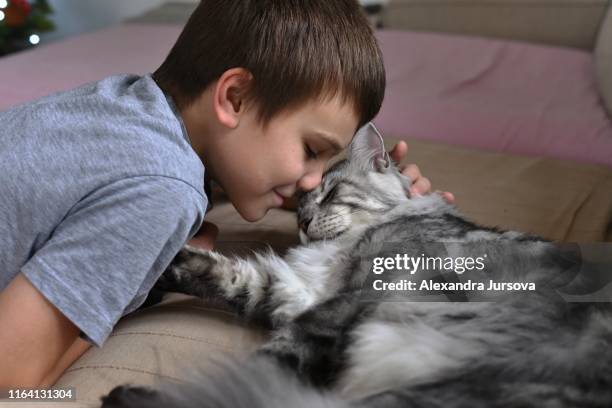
[[129, 48], [489, 94], [494, 95]]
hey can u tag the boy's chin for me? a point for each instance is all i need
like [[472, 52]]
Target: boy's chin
[[251, 214]]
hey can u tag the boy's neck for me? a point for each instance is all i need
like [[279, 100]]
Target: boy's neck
[[202, 126]]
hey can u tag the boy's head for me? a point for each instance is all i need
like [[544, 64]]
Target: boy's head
[[273, 62]]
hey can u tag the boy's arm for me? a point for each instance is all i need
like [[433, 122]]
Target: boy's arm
[[76, 350], [34, 337]]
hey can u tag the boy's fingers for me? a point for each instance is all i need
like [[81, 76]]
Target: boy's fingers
[[421, 186], [411, 171], [399, 151], [448, 196], [206, 236]]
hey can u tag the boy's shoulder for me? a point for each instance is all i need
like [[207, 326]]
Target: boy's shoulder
[[118, 95], [122, 125]]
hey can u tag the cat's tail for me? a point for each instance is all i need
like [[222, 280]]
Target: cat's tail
[[259, 382]]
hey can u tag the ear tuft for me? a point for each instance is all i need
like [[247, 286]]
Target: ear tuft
[[368, 149]]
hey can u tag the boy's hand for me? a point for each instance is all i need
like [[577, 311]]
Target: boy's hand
[[205, 237], [420, 185]]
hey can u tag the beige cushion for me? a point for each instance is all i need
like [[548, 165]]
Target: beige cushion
[[159, 344], [556, 199], [559, 200], [603, 60], [571, 23]]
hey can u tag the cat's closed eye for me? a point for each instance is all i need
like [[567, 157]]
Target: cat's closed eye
[[330, 195]]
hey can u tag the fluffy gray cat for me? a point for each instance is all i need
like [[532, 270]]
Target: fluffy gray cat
[[345, 334]]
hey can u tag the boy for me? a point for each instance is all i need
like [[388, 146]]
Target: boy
[[102, 185]]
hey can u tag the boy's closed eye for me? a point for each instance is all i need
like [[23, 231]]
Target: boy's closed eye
[[319, 145], [311, 154]]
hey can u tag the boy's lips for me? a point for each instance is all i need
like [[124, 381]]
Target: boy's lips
[[280, 198]]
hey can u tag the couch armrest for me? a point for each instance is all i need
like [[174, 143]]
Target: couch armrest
[[572, 23]]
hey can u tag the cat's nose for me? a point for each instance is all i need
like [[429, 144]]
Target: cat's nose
[[303, 224]]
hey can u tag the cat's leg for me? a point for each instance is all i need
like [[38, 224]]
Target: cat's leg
[[211, 275], [256, 383], [314, 343], [264, 287], [126, 396]]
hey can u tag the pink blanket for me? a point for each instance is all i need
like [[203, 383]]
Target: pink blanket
[[489, 94], [495, 95], [128, 48]]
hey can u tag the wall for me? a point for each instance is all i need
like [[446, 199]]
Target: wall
[[77, 16]]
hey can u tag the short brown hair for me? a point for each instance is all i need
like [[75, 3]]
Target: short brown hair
[[296, 50]]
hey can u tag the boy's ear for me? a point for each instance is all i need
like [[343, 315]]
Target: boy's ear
[[368, 149], [229, 96]]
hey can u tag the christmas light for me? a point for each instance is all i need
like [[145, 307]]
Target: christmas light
[[22, 22]]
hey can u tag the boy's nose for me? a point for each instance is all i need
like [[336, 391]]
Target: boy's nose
[[310, 181]]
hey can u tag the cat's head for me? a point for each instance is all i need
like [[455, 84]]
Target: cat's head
[[354, 191]]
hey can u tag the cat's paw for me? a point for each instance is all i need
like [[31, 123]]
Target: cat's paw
[[126, 396], [194, 271], [170, 281], [194, 260], [189, 266]]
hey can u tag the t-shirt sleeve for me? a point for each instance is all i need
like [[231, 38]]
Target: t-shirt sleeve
[[112, 246]]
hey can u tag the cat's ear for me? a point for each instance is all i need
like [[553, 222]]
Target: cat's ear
[[368, 149]]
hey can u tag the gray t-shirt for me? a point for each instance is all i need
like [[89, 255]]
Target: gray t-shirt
[[99, 189]]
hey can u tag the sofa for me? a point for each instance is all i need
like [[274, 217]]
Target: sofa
[[475, 89]]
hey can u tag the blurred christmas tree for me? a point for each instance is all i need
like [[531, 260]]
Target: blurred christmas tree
[[21, 22]]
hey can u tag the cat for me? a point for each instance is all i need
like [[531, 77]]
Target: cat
[[337, 341]]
